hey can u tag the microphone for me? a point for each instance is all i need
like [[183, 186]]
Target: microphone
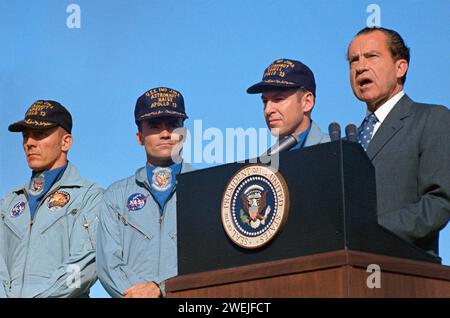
[[351, 132], [283, 144], [335, 131]]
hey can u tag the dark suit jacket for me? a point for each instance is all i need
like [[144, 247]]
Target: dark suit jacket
[[411, 155]]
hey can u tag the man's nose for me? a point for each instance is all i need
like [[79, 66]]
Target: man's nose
[[29, 142], [165, 132], [361, 65], [268, 108]]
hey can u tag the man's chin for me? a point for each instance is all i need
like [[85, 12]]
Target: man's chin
[[276, 131], [365, 97], [36, 167]]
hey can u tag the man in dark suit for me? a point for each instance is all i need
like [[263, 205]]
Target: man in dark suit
[[407, 142]]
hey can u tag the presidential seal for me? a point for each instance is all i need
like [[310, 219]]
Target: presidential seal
[[255, 206]]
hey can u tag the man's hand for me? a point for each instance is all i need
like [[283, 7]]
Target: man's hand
[[143, 290]]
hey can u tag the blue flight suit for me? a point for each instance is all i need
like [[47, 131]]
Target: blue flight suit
[[52, 255], [135, 242]]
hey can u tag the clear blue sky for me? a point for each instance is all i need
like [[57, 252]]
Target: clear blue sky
[[209, 50]]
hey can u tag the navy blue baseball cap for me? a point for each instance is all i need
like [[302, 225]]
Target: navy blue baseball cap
[[44, 114], [285, 74], [159, 102]]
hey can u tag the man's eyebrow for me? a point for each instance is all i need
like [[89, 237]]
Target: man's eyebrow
[[371, 52], [352, 57]]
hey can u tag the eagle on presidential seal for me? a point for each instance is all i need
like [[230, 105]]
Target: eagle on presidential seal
[[254, 202]]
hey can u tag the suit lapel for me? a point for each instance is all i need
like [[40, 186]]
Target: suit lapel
[[392, 124]]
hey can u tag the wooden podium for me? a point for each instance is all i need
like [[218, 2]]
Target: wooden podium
[[330, 237], [334, 274]]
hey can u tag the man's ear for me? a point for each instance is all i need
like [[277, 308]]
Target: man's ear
[[401, 67], [307, 102], [66, 142], [140, 138]]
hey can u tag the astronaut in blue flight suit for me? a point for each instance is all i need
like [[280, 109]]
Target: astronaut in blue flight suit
[[137, 235], [48, 226]]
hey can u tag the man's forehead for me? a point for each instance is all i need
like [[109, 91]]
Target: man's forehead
[[372, 41]]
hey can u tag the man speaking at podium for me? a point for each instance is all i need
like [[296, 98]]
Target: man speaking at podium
[[407, 142], [288, 92]]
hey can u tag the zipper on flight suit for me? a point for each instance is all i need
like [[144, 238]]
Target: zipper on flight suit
[[161, 215], [29, 233], [125, 222], [28, 247], [86, 227], [161, 219]]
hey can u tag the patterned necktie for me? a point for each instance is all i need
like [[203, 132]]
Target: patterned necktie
[[366, 129]]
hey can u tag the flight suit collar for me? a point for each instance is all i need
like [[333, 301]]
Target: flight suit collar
[[70, 178]]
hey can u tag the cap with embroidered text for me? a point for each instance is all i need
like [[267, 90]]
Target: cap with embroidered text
[[159, 102], [44, 114], [285, 74]]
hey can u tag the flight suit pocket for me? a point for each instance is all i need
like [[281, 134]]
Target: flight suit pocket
[[139, 246], [44, 228], [133, 227], [89, 226], [12, 227]]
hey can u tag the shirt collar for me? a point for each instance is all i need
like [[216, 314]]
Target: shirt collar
[[141, 173], [69, 178], [382, 111], [302, 138]]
